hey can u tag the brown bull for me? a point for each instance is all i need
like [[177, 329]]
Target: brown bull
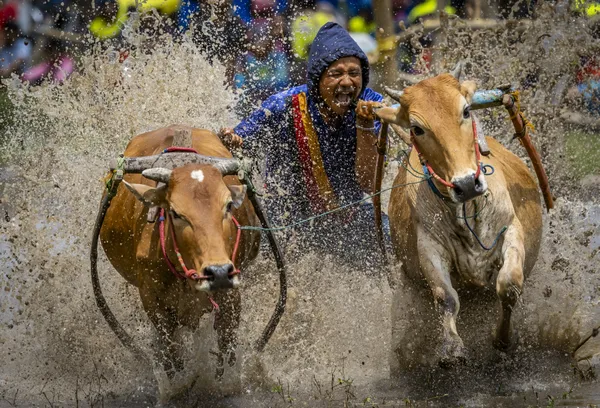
[[199, 204], [429, 229]]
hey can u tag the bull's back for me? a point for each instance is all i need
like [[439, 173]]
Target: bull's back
[[129, 241]]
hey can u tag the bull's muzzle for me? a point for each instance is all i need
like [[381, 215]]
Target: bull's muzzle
[[468, 187], [221, 276]]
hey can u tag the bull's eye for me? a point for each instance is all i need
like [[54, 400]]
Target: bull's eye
[[175, 215], [467, 112], [417, 130], [229, 206]]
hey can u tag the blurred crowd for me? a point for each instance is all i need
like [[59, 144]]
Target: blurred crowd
[[262, 43]]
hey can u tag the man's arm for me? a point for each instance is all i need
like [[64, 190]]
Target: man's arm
[[259, 127]]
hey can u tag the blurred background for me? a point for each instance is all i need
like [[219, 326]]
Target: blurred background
[[81, 78]]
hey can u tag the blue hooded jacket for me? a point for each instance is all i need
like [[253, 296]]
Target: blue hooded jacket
[[270, 130]]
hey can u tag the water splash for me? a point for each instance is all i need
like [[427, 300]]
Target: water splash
[[54, 341]]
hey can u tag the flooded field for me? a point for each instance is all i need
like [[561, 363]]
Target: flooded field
[[349, 337]]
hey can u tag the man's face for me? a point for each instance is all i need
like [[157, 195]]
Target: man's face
[[341, 83]]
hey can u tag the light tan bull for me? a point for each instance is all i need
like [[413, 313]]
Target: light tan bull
[[429, 234], [200, 202]]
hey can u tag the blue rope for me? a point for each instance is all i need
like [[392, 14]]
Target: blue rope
[[502, 231], [341, 208], [487, 169]]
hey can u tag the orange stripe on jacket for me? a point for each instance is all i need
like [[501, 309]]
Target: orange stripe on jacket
[[319, 189]]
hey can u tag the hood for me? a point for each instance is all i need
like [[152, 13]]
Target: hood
[[332, 43]]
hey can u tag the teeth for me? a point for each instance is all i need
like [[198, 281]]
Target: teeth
[[343, 98]]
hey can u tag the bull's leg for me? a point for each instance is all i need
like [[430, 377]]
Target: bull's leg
[[436, 269], [165, 321], [226, 325], [509, 284]]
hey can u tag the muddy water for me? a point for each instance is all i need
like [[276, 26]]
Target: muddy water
[[347, 337]]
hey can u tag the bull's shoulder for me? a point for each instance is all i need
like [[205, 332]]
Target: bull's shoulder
[[515, 170]]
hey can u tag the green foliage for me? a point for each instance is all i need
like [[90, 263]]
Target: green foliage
[[582, 151]]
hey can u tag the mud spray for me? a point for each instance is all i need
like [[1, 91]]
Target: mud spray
[[346, 337]]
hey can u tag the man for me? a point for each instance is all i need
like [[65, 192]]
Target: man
[[319, 142]]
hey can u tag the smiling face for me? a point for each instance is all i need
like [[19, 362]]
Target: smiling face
[[341, 83]]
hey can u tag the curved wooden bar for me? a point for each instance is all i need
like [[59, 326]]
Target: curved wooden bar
[[171, 160], [523, 135]]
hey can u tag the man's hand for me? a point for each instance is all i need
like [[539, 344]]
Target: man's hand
[[230, 139], [365, 110]]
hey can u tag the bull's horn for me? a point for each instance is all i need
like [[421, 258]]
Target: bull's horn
[[457, 71], [393, 93], [158, 174], [227, 167]]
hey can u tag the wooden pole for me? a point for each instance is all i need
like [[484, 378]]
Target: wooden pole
[[386, 68], [381, 152], [523, 135], [477, 9]]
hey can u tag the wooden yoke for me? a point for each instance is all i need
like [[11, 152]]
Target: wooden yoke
[[381, 151], [522, 134]]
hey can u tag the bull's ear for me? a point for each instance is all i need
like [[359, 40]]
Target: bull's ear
[[237, 194], [397, 115], [150, 196], [467, 89]]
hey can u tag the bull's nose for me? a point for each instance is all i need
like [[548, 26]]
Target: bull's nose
[[468, 187], [219, 276]]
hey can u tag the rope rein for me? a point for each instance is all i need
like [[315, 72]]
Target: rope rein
[[335, 210]]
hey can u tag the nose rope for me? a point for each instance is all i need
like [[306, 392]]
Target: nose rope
[[424, 162]]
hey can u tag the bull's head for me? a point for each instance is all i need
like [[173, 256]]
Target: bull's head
[[437, 111], [200, 205]]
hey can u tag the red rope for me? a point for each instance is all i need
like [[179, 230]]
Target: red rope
[[189, 273], [161, 233], [477, 152], [179, 149]]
